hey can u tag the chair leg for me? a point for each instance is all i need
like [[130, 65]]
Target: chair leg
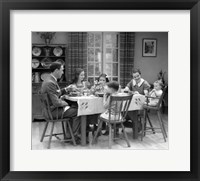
[[71, 133], [161, 126], [51, 133], [44, 131], [150, 124], [125, 135], [110, 136], [143, 122], [63, 128], [114, 135], [98, 129]]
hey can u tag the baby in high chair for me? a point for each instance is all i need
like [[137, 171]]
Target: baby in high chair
[[156, 92]]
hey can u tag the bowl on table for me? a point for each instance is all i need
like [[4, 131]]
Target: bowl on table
[[100, 94]]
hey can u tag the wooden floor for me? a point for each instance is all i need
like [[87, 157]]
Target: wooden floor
[[150, 141]]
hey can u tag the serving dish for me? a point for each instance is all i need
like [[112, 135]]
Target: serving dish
[[57, 51], [100, 94], [36, 51], [46, 62], [35, 63]]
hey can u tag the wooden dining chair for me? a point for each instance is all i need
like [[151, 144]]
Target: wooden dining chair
[[147, 108], [49, 119], [121, 102]]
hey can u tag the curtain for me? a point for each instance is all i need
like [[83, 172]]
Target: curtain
[[127, 46], [76, 54]]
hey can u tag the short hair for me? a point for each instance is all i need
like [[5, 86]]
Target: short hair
[[160, 83], [135, 70], [54, 66], [114, 85], [103, 75], [76, 75]]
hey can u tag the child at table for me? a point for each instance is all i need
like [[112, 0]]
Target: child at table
[[156, 92], [99, 84], [111, 89]]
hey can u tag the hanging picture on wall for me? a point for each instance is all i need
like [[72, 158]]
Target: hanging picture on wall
[[149, 47]]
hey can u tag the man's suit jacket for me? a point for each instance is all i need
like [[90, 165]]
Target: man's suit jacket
[[51, 87]]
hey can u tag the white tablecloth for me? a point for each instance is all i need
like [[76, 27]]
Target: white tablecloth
[[88, 105]]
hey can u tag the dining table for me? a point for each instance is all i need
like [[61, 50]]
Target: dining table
[[89, 105]]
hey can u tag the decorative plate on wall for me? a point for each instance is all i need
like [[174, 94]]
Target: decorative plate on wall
[[46, 62], [35, 63], [57, 51], [36, 51]]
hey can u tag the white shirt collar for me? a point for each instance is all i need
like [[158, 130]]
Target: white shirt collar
[[140, 83], [54, 77]]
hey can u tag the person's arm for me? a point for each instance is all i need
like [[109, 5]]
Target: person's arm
[[146, 87], [51, 89], [128, 86]]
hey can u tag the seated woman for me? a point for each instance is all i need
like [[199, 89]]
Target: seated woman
[[99, 85], [137, 84], [78, 83]]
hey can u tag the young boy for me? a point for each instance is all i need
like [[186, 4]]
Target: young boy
[[110, 89]]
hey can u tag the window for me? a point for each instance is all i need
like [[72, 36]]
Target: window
[[103, 56]]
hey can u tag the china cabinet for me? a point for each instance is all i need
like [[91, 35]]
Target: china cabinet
[[42, 57]]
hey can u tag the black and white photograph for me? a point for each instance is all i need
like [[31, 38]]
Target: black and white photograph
[[99, 90], [149, 47]]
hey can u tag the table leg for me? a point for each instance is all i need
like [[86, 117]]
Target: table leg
[[133, 116], [83, 130]]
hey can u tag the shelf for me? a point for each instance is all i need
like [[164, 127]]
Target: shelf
[[47, 56], [39, 83], [50, 45], [41, 69]]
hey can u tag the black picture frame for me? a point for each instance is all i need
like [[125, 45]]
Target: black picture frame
[[149, 47], [7, 5]]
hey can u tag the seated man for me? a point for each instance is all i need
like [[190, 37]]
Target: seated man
[[51, 87]]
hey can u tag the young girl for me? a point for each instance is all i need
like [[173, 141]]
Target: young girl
[[156, 92], [99, 85]]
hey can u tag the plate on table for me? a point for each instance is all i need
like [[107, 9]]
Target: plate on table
[[44, 76], [36, 51], [74, 94], [57, 51], [35, 63], [61, 61], [46, 62]]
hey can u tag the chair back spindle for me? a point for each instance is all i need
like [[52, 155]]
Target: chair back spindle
[[118, 107], [46, 108]]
